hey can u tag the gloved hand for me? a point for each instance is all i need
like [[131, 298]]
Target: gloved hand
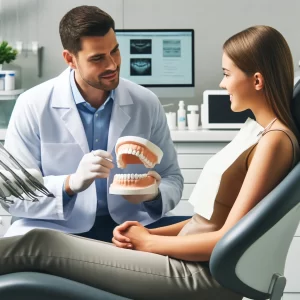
[[96, 164], [136, 199]]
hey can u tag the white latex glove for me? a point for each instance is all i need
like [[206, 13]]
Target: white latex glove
[[136, 199], [96, 164]]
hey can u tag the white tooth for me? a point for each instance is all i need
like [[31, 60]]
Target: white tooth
[[129, 151], [144, 175], [133, 152], [131, 176], [136, 176], [142, 156], [137, 153], [128, 176]]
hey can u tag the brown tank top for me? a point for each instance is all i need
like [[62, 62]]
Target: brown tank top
[[230, 185]]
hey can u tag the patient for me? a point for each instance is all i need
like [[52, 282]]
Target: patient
[[172, 262]]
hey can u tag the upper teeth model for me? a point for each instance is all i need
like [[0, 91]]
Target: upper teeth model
[[135, 150]]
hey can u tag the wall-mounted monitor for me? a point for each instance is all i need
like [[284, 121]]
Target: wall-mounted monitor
[[159, 59]]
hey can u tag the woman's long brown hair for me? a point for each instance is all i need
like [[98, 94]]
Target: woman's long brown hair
[[263, 49]]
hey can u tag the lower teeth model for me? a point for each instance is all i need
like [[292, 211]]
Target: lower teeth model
[[135, 150]]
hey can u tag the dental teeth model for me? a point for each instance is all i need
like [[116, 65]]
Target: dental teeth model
[[135, 150]]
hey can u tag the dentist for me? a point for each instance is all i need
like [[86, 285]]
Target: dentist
[[68, 126]]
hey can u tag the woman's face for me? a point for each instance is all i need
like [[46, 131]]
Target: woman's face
[[239, 86]]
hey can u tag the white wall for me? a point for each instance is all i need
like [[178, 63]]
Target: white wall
[[213, 21]]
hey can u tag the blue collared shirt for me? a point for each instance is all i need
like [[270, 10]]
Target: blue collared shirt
[[96, 126]]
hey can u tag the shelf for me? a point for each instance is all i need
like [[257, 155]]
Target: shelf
[[203, 135], [10, 95]]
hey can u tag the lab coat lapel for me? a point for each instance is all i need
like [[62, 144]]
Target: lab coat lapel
[[63, 103], [121, 115]]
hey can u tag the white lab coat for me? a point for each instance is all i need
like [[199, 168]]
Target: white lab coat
[[45, 132]]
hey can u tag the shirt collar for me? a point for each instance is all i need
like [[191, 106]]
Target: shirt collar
[[77, 95]]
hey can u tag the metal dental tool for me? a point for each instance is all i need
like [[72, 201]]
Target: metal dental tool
[[10, 187], [21, 183], [33, 181], [3, 197]]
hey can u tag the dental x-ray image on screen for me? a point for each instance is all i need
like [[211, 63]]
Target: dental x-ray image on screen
[[141, 46], [171, 48], [159, 59], [140, 67]]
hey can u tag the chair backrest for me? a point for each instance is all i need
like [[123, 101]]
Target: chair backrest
[[255, 249]]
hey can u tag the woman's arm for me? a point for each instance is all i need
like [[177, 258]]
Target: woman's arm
[[170, 230], [194, 247], [262, 176]]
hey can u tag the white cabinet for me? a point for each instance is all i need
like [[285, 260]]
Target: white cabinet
[[194, 149]]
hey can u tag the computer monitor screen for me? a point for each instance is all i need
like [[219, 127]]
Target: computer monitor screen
[[157, 58]]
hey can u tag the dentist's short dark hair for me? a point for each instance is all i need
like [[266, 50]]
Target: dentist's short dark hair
[[83, 21]]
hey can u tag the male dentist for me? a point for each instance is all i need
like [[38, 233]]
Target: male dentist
[[68, 126]]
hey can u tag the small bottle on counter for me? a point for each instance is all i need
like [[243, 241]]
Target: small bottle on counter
[[193, 118], [181, 116], [9, 81]]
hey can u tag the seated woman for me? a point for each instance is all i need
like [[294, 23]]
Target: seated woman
[[171, 262]]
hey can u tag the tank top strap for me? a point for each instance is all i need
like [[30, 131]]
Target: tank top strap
[[293, 140]]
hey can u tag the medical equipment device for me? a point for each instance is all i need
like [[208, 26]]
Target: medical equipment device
[[216, 111]]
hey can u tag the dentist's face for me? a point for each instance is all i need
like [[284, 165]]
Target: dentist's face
[[98, 62], [239, 85]]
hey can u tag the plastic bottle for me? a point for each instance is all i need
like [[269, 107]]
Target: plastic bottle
[[2, 77], [181, 116], [9, 81], [193, 118]]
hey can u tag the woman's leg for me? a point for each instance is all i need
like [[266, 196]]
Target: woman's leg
[[129, 273]]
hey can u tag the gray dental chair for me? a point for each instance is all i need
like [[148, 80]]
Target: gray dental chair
[[244, 260]]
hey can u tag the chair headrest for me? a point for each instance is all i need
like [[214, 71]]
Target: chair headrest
[[296, 104]]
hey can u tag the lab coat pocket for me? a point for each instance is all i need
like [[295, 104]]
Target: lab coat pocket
[[60, 158]]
